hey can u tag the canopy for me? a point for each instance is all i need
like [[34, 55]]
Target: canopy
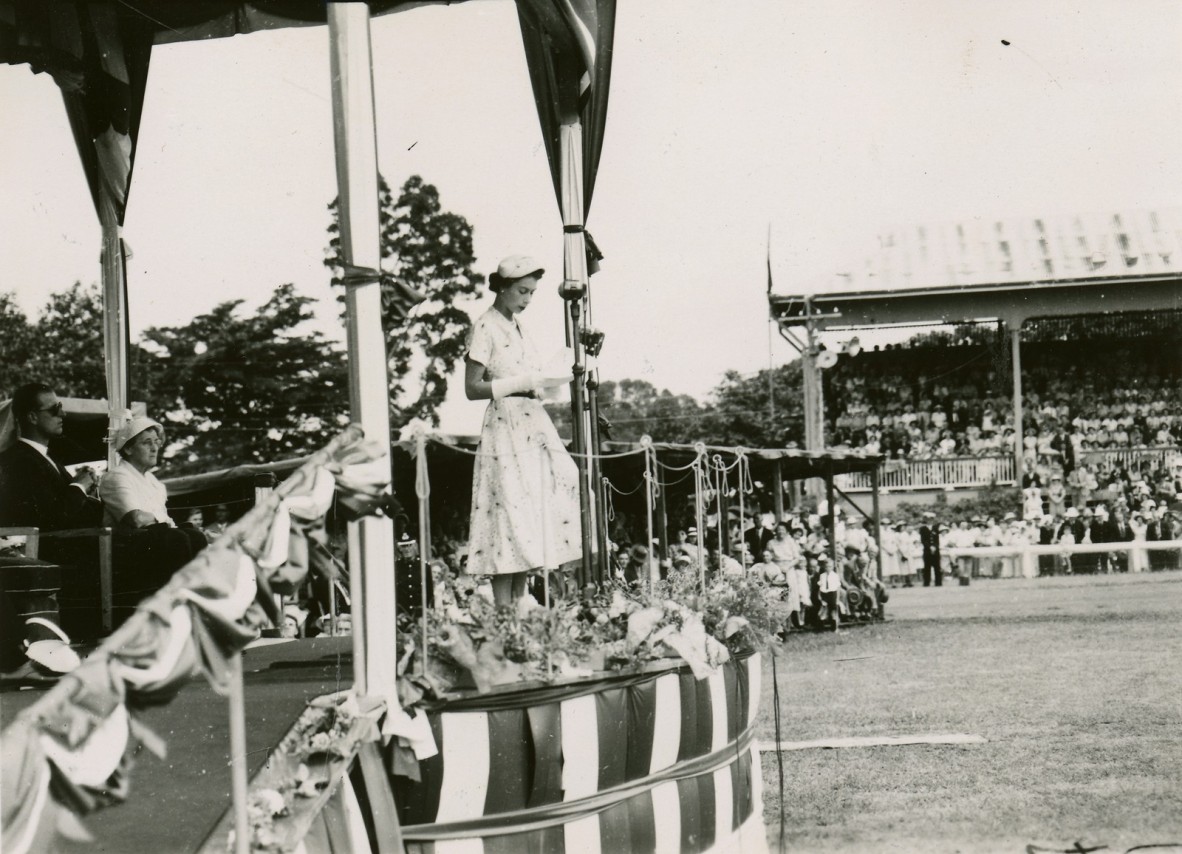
[[98, 53]]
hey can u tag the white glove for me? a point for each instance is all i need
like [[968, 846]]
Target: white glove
[[528, 382], [513, 385]]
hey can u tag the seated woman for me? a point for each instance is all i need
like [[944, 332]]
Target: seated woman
[[149, 547]]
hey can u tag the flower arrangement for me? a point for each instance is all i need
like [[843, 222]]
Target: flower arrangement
[[474, 644]]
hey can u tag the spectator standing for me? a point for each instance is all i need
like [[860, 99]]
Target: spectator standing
[[929, 538], [829, 584]]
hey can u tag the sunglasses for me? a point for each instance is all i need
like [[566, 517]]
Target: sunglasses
[[56, 410]]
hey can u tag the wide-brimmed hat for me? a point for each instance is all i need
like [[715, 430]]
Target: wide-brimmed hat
[[133, 427], [1072, 513], [514, 267]]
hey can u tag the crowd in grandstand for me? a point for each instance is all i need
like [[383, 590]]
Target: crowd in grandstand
[[1079, 396]]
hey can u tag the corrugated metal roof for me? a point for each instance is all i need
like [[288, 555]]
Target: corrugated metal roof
[[1016, 251]]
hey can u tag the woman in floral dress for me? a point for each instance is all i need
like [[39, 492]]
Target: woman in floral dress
[[525, 499]]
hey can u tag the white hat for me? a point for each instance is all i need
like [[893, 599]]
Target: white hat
[[515, 267], [1072, 513], [132, 428]]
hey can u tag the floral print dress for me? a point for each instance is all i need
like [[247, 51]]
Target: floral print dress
[[525, 487]]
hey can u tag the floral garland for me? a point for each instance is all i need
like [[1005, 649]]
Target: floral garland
[[474, 644], [303, 769]]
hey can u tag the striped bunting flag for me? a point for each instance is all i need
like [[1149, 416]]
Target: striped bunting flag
[[711, 812], [646, 762]]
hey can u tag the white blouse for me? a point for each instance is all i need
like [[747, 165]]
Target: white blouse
[[124, 488]]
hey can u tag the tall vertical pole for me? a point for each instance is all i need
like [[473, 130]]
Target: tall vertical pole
[[814, 419], [877, 520], [1016, 361], [662, 510], [239, 789], [114, 319], [371, 555], [595, 472], [831, 500], [575, 282], [778, 490]]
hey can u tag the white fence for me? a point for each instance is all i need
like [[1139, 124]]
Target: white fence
[[968, 472], [941, 473], [1128, 456], [1023, 559]]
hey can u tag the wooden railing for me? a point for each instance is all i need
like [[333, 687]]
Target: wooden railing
[[968, 472], [1126, 456], [941, 473]]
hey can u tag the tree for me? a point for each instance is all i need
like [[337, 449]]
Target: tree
[[742, 411], [635, 408], [66, 349], [16, 345], [428, 250], [234, 389]]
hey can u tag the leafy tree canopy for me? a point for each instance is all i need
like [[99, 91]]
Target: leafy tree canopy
[[237, 388], [429, 250], [62, 347]]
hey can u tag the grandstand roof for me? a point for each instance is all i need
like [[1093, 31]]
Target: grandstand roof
[[992, 268]]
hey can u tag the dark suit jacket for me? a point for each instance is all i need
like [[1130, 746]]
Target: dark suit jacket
[[929, 538], [34, 491], [1113, 534]]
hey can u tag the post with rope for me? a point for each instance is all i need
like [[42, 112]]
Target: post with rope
[[574, 291], [423, 495], [742, 477], [724, 510], [662, 512], [546, 485], [646, 442], [700, 511], [877, 519], [596, 467], [831, 499], [371, 539]]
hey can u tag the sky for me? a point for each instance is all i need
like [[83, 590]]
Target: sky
[[817, 125]]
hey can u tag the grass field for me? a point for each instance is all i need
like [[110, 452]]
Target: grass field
[[1075, 683]]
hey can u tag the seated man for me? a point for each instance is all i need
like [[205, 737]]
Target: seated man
[[37, 492]]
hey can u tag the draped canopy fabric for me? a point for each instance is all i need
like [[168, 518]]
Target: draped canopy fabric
[[98, 53], [568, 46]]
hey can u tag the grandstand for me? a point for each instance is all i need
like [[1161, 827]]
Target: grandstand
[[1059, 348]]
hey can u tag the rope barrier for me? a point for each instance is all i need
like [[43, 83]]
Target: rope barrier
[[619, 491], [648, 510]]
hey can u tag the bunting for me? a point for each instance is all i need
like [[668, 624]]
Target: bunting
[[70, 753]]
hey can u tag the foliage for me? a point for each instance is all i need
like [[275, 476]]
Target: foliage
[[475, 643], [634, 408], [63, 347], [747, 412], [68, 339], [16, 345], [235, 389], [429, 250], [991, 502]]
